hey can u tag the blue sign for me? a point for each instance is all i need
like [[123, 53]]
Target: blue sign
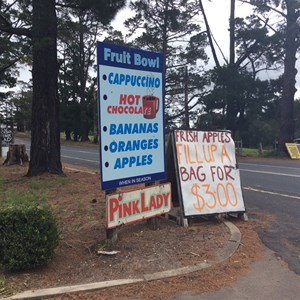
[[131, 116]]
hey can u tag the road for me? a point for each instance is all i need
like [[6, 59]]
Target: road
[[80, 156], [273, 187], [270, 186]]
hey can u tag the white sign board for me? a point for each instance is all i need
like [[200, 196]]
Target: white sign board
[[6, 137], [208, 174], [131, 116], [132, 206]]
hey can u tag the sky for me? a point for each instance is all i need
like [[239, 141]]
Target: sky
[[218, 12], [218, 15]]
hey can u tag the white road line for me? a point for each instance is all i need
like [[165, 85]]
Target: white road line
[[271, 193], [271, 173], [79, 151], [269, 166], [94, 161]]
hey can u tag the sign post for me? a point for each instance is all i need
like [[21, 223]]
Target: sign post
[[131, 127]]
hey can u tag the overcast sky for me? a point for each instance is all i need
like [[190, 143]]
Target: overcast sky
[[218, 15], [217, 12]]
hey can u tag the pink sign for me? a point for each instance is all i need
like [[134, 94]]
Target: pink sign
[[136, 205]]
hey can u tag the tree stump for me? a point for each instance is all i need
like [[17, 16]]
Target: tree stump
[[16, 155]]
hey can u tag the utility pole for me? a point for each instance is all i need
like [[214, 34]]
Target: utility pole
[[186, 99], [0, 141]]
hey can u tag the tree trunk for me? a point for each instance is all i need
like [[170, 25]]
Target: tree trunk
[[287, 127], [68, 134], [231, 96], [95, 117], [45, 135], [82, 80]]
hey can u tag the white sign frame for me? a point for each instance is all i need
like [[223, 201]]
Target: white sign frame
[[207, 172], [131, 116], [132, 206]]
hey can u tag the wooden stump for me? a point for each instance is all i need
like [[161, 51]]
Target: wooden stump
[[16, 155]]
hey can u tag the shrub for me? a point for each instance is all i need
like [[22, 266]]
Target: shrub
[[28, 236]]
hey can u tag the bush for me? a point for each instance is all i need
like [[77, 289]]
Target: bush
[[28, 236]]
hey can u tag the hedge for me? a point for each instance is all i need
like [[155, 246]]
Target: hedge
[[28, 236]]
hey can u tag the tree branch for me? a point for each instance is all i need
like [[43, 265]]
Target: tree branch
[[5, 26], [264, 6], [248, 51]]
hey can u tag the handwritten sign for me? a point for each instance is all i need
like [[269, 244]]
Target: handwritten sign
[[131, 104], [208, 176], [132, 206], [293, 150]]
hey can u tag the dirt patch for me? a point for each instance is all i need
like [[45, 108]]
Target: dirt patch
[[211, 279], [79, 206]]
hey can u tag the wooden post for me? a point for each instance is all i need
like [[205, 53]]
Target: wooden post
[[260, 149], [111, 233], [152, 222], [0, 143], [182, 220]]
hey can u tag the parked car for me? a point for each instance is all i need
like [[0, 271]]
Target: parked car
[[297, 141]]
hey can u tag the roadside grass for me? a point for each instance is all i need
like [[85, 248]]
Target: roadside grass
[[24, 190], [252, 152], [42, 184], [14, 198], [74, 199]]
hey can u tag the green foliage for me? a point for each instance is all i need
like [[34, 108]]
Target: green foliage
[[297, 118], [262, 132], [254, 152], [171, 27], [14, 198], [103, 10], [20, 104], [28, 236]]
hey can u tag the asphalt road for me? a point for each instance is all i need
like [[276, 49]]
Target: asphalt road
[[273, 187], [270, 186], [81, 156]]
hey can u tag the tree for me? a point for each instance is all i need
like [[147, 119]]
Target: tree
[[13, 50], [78, 33], [45, 132], [289, 32], [45, 137], [292, 43], [22, 102], [170, 27], [233, 79]]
